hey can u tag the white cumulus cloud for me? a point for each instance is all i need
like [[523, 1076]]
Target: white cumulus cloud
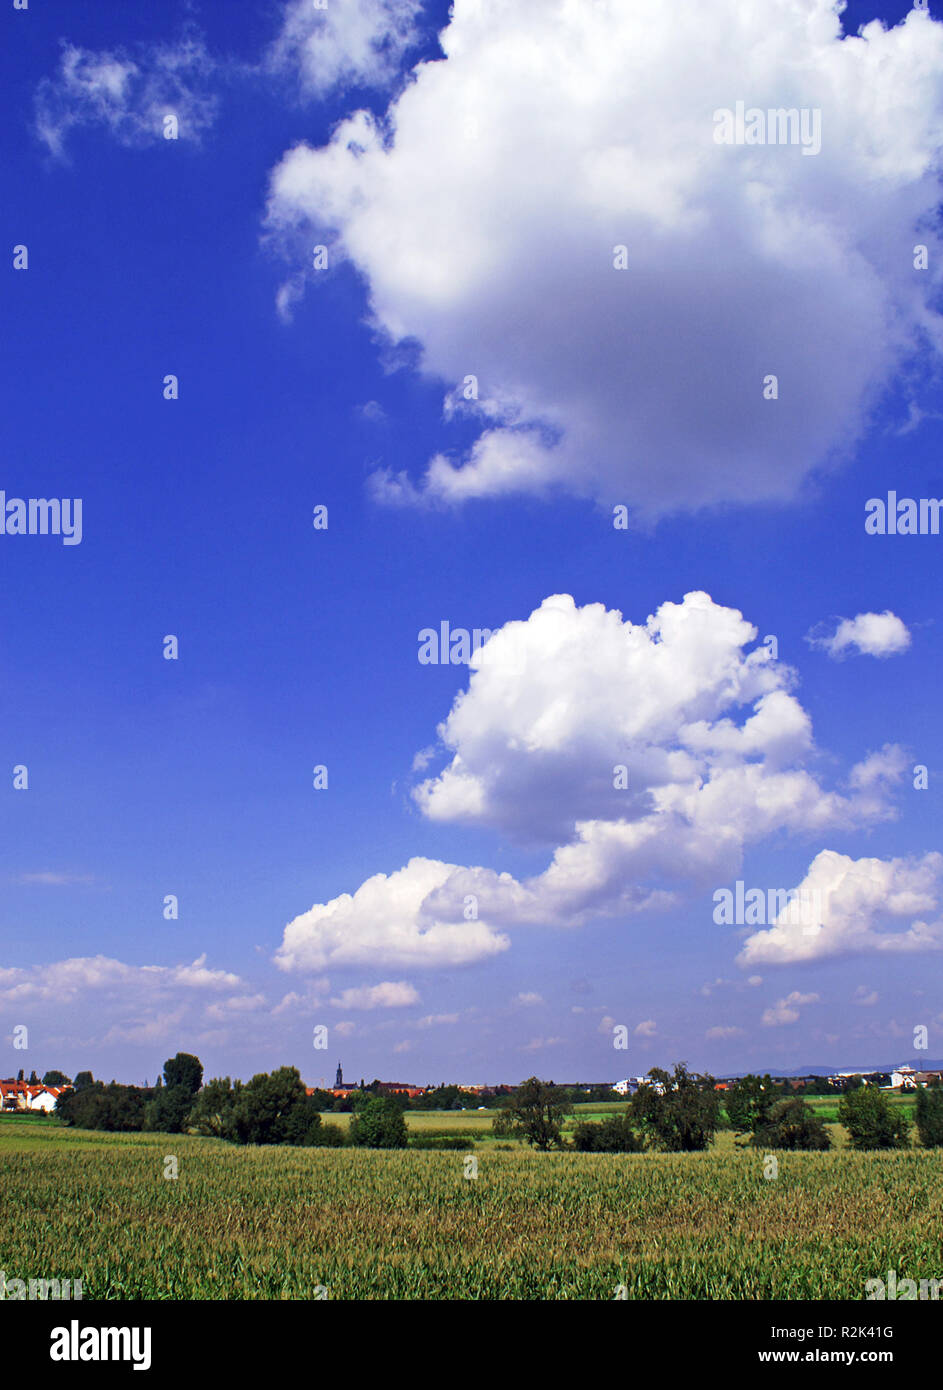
[[864, 905], [485, 208], [646, 757], [872, 634], [381, 924]]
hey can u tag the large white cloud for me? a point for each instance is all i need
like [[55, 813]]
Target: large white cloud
[[648, 756], [382, 923], [866, 905], [484, 210]]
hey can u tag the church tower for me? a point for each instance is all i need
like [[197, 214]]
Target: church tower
[[340, 1076]]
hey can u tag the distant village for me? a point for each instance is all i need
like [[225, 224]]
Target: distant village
[[903, 1078]]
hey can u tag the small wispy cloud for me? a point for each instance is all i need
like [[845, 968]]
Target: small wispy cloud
[[129, 95], [390, 994], [54, 879]]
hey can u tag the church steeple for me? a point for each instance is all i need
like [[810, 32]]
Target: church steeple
[[340, 1076]]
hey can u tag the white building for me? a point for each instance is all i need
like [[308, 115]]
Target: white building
[[20, 1096], [44, 1099]]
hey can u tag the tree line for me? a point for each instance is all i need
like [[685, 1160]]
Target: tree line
[[272, 1108], [681, 1111], [674, 1112]]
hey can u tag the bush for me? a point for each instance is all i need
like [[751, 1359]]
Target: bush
[[930, 1116], [327, 1136], [791, 1124], [613, 1135], [303, 1123], [871, 1121], [379, 1125]]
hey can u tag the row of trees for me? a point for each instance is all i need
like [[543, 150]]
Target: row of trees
[[680, 1112], [165, 1107], [272, 1108], [275, 1108], [675, 1111]]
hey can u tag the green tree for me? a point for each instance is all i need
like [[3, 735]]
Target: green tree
[[871, 1121], [184, 1070], [791, 1124], [56, 1078], [83, 1079], [168, 1110], [930, 1115], [678, 1111], [380, 1124], [534, 1111], [262, 1107], [749, 1101], [212, 1113]]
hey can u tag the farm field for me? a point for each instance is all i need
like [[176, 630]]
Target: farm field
[[473, 1124], [278, 1223]]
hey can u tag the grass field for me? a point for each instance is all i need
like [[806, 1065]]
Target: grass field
[[277, 1222]]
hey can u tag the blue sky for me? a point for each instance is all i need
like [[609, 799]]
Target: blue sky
[[473, 233]]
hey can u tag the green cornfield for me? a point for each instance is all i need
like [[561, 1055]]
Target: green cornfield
[[281, 1223]]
